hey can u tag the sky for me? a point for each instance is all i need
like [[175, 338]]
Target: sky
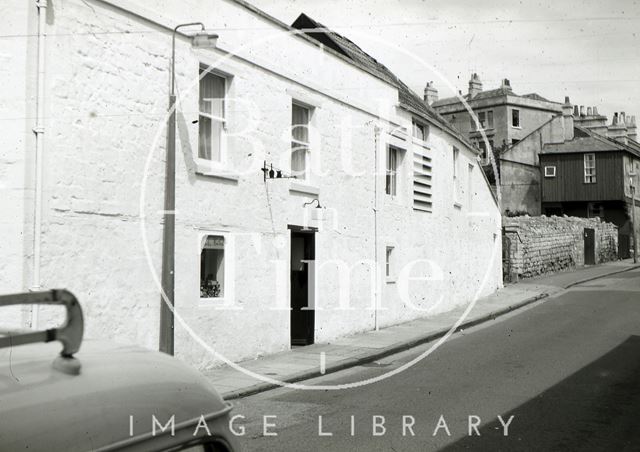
[[587, 50]]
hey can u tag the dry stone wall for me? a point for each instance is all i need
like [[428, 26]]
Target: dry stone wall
[[539, 245]]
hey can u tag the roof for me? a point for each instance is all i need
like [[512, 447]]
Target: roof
[[45, 409], [406, 96], [586, 140], [498, 92], [537, 96]]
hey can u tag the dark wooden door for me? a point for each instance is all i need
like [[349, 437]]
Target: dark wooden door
[[589, 247], [302, 313], [624, 246]]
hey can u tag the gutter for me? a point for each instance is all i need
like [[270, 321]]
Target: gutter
[[41, 5]]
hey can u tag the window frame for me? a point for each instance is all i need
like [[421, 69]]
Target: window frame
[[391, 174], [516, 111], [547, 173], [229, 269], [483, 121], [306, 145], [456, 176], [589, 171], [415, 124], [389, 263], [470, 180], [223, 120]]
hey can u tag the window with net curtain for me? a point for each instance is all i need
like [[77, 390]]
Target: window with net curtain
[[212, 267], [211, 119], [299, 140]]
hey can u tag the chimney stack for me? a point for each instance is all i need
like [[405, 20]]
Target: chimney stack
[[506, 84], [618, 129], [430, 93], [567, 119], [475, 85], [631, 128]]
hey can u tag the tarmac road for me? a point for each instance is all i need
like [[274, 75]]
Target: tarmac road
[[566, 369]]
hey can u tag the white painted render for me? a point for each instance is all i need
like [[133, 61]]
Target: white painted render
[[107, 94]]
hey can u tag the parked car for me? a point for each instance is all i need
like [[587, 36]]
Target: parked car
[[105, 397]]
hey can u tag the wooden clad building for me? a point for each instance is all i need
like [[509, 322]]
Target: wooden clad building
[[592, 176]]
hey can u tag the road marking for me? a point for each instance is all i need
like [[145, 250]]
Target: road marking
[[323, 360]]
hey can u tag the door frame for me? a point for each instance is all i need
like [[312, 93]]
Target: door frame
[[311, 281]]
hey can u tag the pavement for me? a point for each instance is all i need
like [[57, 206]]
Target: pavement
[[303, 363]]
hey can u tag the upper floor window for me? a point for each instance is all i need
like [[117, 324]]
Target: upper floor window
[[549, 171], [470, 185], [420, 131], [485, 119], [456, 176], [589, 168], [391, 185], [300, 144], [482, 145], [515, 118], [211, 118]]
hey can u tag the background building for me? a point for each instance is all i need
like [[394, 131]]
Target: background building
[[591, 176], [504, 116]]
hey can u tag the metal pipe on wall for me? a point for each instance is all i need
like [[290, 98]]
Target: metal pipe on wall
[[376, 132], [41, 5]]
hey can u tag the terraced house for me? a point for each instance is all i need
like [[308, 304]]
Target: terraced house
[[389, 216]]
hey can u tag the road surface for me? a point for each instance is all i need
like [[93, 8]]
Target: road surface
[[563, 374]]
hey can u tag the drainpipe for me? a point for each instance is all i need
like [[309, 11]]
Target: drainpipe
[[39, 137], [376, 132]]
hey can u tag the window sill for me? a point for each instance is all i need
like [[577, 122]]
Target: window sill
[[217, 303], [208, 301], [457, 205], [218, 173], [516, 127], [301, 187]]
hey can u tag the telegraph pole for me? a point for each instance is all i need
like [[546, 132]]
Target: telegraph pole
[[202, 39]]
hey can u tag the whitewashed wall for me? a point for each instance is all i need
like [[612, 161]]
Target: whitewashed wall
[[107, 98]]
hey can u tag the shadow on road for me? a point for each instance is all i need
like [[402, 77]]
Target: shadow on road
[[595, 408]]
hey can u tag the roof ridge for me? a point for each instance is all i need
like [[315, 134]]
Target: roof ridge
[[599, 137]]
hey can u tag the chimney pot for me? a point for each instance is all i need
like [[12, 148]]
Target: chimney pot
[[430, 93], [475, 85], [589, 111], [576, 113], [581, 110], [595, 111], [566, 100]]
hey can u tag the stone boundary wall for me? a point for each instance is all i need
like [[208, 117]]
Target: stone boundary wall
[[540, 245]]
